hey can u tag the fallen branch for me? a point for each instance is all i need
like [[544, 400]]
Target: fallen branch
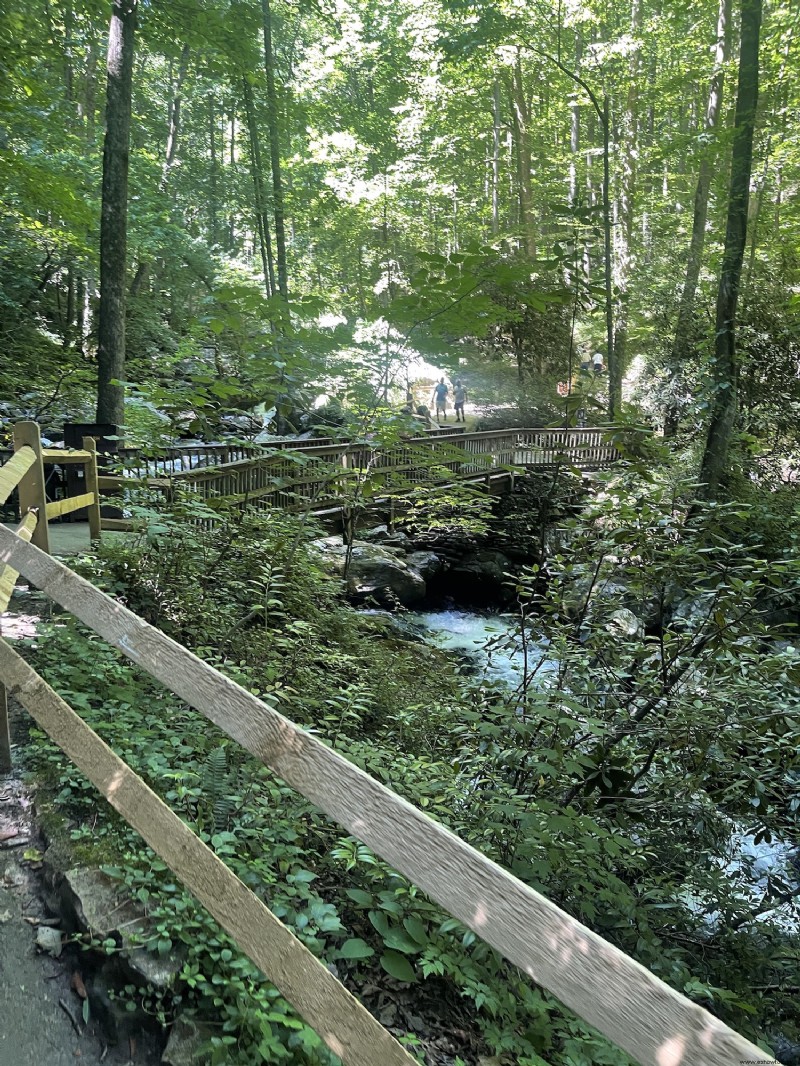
[[68, 1011]]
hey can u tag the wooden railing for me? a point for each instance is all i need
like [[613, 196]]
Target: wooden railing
[[23, 470], [321, 476], [634, 1009]]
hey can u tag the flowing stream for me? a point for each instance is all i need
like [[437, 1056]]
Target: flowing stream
[[490, 643]]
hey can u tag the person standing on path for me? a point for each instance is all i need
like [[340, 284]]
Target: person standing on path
[[459, 399], [439, 398]]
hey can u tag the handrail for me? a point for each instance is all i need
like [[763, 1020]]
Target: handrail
[[318, 475], [631, 1006]]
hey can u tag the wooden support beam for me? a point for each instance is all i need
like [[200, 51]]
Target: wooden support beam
[[92, 487], [12, 472], [32, 495], [6, 765], [632, 1007], [347, 1027], [108, 482], [65, 456], [121, 525], [70, 504], [8, 575]]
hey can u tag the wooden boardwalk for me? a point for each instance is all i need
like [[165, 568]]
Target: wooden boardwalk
[[335, 478]]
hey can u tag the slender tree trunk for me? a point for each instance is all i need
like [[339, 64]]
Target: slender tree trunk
[[613, 373], [521, 115], [114, 219], [496, 158], [231, 182], [629, 141], [683, 327], [170, 155], [575, 129], [262, 216], [212, 167], [726, 367], [275, 152]]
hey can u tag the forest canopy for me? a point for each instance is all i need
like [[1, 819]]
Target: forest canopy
[[310, 200]]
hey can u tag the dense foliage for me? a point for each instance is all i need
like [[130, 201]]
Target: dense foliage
[[617, 777]]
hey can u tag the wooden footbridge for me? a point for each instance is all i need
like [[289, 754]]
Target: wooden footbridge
[[321, 478], [634, 1009]]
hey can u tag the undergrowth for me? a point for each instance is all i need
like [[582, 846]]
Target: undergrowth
[[249, 595]]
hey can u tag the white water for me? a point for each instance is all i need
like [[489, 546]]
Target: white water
[[748, 865], [468, 633]]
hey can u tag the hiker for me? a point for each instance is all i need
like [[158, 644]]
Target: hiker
[[459, 398], [424, 414], [597, 362], [439, 398]]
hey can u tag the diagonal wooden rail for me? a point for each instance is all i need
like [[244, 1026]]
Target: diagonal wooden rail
[[324, 477], [624, 1001]]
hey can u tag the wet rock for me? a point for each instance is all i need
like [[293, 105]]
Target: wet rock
[[383, 535], [482, 575], [426, 564], [185, 1041], [372, 570], [626, 624], [49, 940], [93, 903]]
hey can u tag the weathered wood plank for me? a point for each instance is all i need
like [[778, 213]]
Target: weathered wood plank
[[623, 1000], [32, 495], [14, 470], [65, 456], [5, 733], [93, 488], [344, 1024], [70, 504], [8, 575], [121, 525]]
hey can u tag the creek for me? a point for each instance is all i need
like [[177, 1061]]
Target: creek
[[489, 643]]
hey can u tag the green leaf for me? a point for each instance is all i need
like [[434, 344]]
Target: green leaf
[[397, 966], [416, 929], [356, 949], [380, 922], [365, 899]]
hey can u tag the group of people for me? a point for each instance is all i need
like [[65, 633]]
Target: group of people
[[441, 392], [439, 401]]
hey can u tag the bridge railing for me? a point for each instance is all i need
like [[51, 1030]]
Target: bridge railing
[[634, 1009], [322, 475]]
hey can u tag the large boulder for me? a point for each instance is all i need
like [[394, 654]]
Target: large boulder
[[383, 535], [426, 564], [373, 570], [93, 903]]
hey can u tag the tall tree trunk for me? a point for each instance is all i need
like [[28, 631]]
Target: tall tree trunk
[[275, 152], [262, 216], [683, 327], [170, 155], [230, 182], [575, 128], [726, 367], [114, 218], [520, 111], [212, 166], [629, 141], [496, 158]]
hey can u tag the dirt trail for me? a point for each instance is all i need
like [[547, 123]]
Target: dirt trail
[[35, 1030]]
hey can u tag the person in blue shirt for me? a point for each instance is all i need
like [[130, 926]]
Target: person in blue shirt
[[439, 398]]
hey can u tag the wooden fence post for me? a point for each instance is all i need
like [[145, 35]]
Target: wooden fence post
[[5, 733], [92, 485], [32, 495]]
